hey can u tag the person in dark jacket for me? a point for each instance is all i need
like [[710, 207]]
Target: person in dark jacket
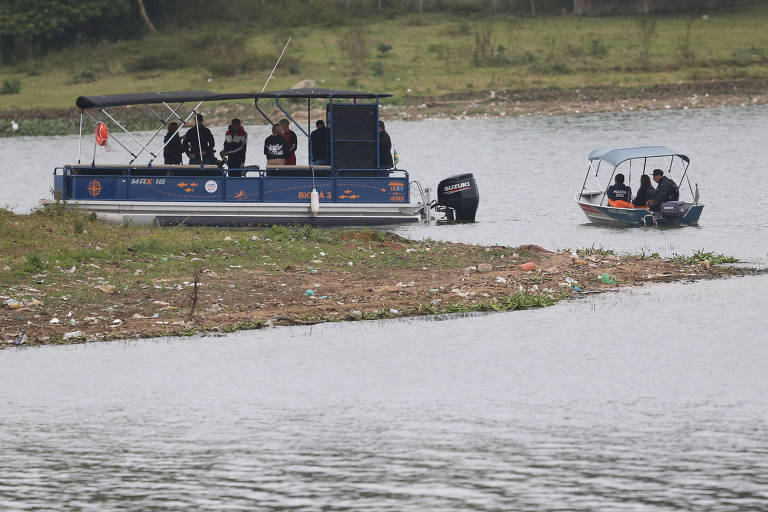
[[291, 142], [275, 146], [385, 148], [172, 150], [619, 192], [192, 147], [319, 139], [235, 142], [666, 190], [645, 193]]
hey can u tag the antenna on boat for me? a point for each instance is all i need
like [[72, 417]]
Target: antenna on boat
[[276, 63]]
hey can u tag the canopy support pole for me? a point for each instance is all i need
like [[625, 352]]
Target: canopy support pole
[[309, 129], [144, 146], [80, 138], [115, 139], [610, 180], [199, 142], [137, 141], [265, 116], [277, 102], [683, 177], [93, 159], [183, 122], [585, 180]]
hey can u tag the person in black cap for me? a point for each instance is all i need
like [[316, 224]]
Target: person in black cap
[[193, 147], [619, 192], [666, 190]]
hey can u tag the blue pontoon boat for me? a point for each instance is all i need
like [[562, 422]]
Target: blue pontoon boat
[[352, 188], [633, 163]]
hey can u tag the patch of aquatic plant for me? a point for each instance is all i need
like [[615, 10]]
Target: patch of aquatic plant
[[649, 256], [700, 257], [595, 251]]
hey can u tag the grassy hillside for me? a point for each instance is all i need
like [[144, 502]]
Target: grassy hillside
[[411, 56]]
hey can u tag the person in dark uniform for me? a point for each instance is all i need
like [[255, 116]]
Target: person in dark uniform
[[192, 147], [666, 190], [234, 147], [172, 150], [319, 139], [275, 146], [645, 193], [385, 148], [291, 142], [619, 192]]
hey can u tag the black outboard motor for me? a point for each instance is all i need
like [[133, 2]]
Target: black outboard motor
[[673, 211], [458, 197]]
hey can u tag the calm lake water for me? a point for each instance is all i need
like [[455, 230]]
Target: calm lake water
[[653, 398]]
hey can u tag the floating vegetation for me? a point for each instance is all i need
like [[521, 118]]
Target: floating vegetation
[[700, 257]]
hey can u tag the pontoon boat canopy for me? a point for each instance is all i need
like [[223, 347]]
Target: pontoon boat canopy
[[116, 100], [615, 156], [320, 93]]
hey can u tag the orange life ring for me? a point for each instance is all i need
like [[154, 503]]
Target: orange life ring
[[102, 133]]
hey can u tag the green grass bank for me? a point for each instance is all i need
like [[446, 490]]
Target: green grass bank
[[420, 58]]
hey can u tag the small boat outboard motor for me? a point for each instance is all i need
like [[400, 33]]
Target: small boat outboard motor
[[458, 198], [673, 211]]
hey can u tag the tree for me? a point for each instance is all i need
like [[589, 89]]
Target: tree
[[144, 16]]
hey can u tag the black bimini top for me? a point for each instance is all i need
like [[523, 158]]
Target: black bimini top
[[143, 98], [320, 93]]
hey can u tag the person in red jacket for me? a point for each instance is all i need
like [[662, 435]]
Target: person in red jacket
[[291, 142]]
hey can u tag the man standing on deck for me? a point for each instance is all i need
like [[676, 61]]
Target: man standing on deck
[[291, 142], [193, 146], [319, 139], [385, 148], [234, 147]]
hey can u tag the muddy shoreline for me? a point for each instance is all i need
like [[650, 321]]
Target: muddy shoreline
[[87, 303]]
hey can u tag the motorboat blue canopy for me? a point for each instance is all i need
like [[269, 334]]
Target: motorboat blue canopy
[[144, 98], [615, 156]]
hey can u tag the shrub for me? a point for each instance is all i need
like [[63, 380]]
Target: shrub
[[383, 49], [377, 68], [743, 57], [157, 58], [354, 45], [33, 263], [85, 75], [685, 45], [646, 30], [11, 86], [597, 48]]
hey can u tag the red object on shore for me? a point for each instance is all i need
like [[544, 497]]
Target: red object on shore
[[528, 266], [102, 133]]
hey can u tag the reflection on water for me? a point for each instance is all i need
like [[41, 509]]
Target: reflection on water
[[648, 399]]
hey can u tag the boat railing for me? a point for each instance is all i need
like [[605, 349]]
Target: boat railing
[[271, 184]]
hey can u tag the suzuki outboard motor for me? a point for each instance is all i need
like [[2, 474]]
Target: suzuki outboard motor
[[673, 211], [458, 197]]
